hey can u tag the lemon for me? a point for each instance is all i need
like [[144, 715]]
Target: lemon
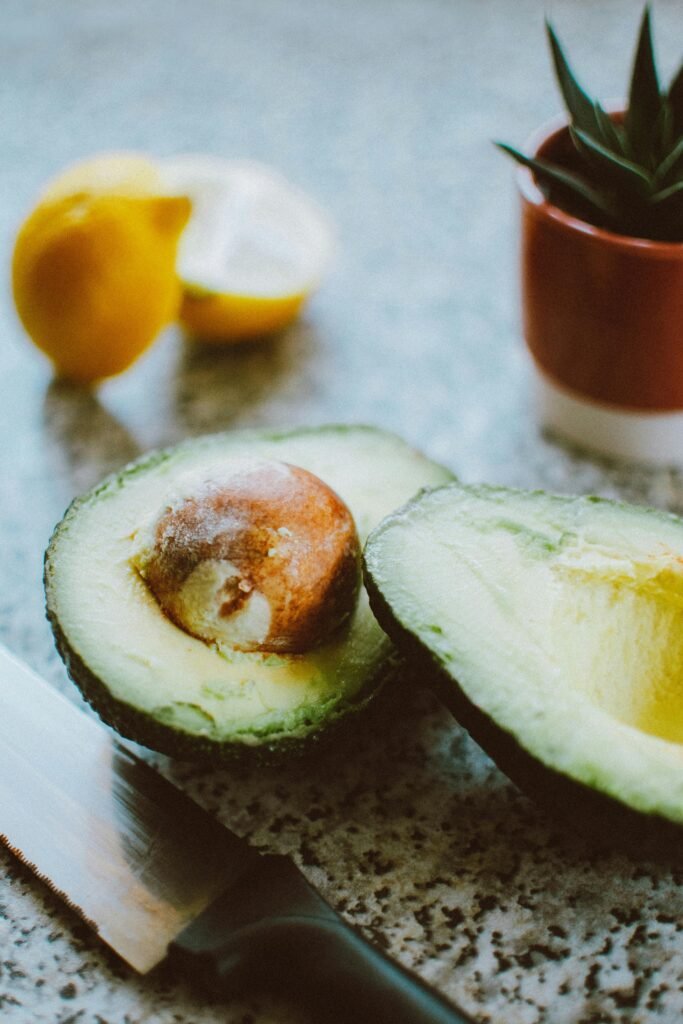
[[253, 251], [93, 270]]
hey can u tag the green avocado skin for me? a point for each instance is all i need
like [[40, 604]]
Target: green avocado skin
[[147, 730], [581, 810]]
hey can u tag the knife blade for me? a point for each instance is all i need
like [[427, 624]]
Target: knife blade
[[159, 879]]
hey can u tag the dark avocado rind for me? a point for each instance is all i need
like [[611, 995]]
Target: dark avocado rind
[[268, 744], [581, 808]]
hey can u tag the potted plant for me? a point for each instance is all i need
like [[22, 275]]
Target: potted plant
[[602, 264]]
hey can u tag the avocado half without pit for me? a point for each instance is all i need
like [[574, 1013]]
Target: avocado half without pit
[[554, 628], [207, 599]]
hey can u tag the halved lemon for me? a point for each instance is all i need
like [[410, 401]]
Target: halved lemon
[[253, 251]]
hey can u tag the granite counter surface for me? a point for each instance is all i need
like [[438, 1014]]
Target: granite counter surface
[[382, 109]]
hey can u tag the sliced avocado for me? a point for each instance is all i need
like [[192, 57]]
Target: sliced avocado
[[555, 626], [187, 696]]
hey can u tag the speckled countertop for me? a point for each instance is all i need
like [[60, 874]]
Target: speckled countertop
[[383, 109]]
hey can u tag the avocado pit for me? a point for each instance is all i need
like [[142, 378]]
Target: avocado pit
[[265, 560]]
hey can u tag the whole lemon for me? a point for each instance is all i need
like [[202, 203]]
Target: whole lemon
[[93, 271]]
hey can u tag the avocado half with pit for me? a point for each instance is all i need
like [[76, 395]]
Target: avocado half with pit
[[207, 599], [555, 629]]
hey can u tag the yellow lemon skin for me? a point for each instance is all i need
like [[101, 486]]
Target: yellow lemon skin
[[230, 319], [94, 278]]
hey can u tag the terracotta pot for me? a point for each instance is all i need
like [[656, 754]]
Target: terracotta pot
[[603, 320]]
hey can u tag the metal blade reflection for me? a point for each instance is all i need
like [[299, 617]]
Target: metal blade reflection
[[134, 856]]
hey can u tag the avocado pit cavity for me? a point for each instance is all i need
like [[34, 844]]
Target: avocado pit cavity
[[632, 668], [266, 559]]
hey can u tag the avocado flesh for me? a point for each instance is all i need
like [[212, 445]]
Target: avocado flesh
[[172, 691], [557, 628]]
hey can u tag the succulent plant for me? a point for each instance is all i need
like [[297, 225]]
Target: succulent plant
[[623, 172]]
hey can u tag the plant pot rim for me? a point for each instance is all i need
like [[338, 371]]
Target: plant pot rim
[[530, 191]]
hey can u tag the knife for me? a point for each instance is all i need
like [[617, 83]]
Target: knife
[[158, 878]]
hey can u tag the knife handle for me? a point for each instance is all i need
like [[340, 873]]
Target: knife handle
[[271, 932]]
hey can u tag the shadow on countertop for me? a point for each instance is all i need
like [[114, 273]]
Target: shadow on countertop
[[220, 386], [86, 441]]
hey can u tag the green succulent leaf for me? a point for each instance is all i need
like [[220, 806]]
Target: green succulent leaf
[[616, 169], [671, 167], [667, 194], [645, 99], [580, 106], [611, 134], [551, 174], [675, 97], [664, 134]]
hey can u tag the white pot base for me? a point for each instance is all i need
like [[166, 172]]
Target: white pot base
[[654, 438]]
